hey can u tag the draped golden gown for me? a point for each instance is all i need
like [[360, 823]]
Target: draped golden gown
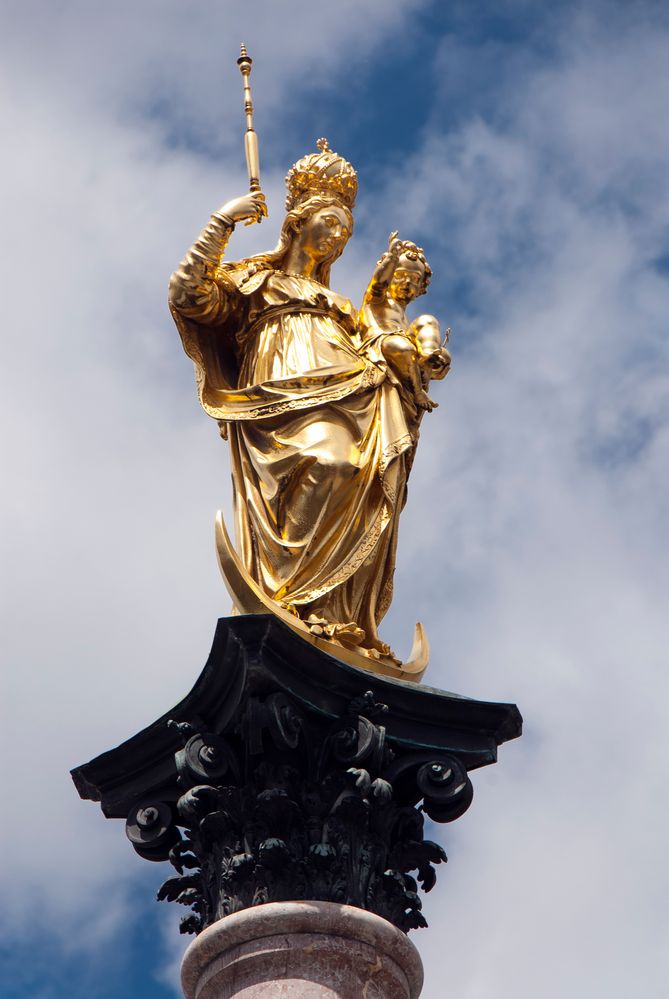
[[318, 439]]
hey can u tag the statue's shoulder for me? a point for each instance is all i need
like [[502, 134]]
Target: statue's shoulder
[[244, 276]]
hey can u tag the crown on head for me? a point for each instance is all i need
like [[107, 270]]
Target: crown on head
[[323, 172]]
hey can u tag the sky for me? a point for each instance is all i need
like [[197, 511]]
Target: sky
[[525, 147]]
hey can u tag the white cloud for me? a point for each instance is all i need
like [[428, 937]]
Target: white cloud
[[542, 476], [550, 495], [113, 475]]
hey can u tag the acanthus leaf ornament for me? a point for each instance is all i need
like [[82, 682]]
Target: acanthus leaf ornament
[[296, 828], [286, 775]]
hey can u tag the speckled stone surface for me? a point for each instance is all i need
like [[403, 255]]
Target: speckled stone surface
[[302, 950]]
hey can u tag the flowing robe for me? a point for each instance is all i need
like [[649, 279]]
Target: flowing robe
[[318, 439]]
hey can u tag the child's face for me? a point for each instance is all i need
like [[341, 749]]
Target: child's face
[[408, 280]]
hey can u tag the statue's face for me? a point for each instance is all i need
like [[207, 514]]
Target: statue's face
[[408, 280], [324, 234]]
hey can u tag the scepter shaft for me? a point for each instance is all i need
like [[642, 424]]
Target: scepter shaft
[[250, 138]]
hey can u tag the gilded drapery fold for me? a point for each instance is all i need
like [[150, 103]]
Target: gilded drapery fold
[[318, 438]]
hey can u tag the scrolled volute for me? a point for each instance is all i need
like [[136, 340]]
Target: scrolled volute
[[440, 779], [277, 715], [206, 757], [286, 721], [447, 789], [356, 739], [151, 829]]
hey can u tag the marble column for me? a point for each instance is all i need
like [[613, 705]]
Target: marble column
[[302, 950]]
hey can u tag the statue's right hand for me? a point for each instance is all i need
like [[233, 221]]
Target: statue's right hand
[[248, 208], [392, 254], [394, 245]]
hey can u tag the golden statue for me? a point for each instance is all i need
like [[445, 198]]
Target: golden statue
[[320, 406]]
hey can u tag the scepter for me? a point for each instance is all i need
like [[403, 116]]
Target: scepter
[[250, 138]]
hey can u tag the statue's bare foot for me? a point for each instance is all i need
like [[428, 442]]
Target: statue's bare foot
[[423, 401]]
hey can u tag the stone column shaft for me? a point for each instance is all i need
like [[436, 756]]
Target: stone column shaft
[[302, 950]]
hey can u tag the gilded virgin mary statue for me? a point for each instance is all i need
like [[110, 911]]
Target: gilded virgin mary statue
[[319, 406]]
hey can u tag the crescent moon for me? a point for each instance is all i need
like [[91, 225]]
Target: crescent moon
[[249, 598]]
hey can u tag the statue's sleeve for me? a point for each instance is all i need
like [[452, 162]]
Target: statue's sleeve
[[199, 290]]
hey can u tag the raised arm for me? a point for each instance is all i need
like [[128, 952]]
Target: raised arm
[[194, 290], [383, 273]]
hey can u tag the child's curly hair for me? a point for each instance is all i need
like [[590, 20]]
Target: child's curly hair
[[413, 252]]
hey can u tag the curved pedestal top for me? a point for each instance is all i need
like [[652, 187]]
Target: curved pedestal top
[[302, 950]]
